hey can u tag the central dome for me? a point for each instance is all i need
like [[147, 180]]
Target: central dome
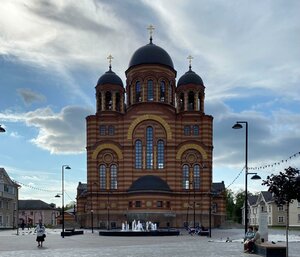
[[151, 54]]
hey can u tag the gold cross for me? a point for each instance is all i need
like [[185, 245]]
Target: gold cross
[[110, 58], [190, 58], [151, 29]]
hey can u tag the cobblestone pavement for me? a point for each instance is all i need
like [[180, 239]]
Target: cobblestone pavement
[[91, 244]]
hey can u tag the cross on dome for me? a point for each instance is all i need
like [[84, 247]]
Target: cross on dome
[[190, 58], [151, 29], [110, 59]]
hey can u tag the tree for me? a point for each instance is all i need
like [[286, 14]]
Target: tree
[[285, 188], [230, 206]]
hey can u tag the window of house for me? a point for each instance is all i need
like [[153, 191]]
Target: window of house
[[197, 176], [102, 173], [170, 94], [298, 205], [159, 204], [138, 90], [270, 221], [160, 154], [130, 204], [113, 177], [149, 148], [102, 130], [168, 205], [150, 92], [185, 177], [214, 208], [187, 130], [298, 218], [1, 204], [138, 204], [280, 219], [280, 208], [138, 154], [270, 208], [7, 205], [1, 220]]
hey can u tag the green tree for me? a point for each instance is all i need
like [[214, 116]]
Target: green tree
[[285, 188], [229, 204]]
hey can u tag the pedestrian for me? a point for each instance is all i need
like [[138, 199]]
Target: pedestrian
[[40, 233], [255, 240], [248, 236]]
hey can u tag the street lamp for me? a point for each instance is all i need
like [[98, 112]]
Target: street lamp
[[92, 211], [239, 126], [63, 167], [2, 129]]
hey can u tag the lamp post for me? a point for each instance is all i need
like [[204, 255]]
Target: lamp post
[[108, 205], [238, 125], [92, 211], [63, 167]]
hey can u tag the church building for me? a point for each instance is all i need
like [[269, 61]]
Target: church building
[[150, 148]]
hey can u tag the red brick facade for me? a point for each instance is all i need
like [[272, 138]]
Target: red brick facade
[[161, 131]]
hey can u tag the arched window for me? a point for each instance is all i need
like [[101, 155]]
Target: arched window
[[197, 176], [181, 102], [138, 90], [149, 148], [102, 175], [185, 177], [150, 93], [138, 154], [191, 101], [170, 93], [111, 130], [199, 102], [99, 106], [108, 101], [113, 177], [196, 130], [187, 130], [160, 154], [162, 91], [118, 102]]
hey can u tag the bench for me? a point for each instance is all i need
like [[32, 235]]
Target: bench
[[270, 250]]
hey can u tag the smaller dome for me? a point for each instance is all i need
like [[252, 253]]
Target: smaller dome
[[110, 77], [149, 183], [190, 77]]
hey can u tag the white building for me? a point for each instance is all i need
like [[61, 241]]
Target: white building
[[8, 201]]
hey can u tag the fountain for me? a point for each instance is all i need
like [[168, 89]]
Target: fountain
[[137, 229]]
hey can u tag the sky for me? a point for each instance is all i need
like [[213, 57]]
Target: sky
[[52, 54]]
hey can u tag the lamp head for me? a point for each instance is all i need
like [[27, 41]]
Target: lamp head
[[57, 196], [237, 126], [68, 167], [2, 129], [255, 177]]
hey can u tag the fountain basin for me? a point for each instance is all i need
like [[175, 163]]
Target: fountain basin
[[159, 232]]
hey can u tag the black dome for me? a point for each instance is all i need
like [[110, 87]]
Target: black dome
[[151, 54], [190, 77], [149, 183], [110, 77]]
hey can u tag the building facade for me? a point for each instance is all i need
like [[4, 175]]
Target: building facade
[[8, 201], [149, 148], [31, 211], [276, 215]]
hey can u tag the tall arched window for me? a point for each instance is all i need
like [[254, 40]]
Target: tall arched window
[[138, 154], [118, 102], [150, 93], [196, 130], [191, 101], [160, 154], [102, 175], [138, 92], [113, 177], [108, 101], [162, 91], [170, 93], [197, 176], [181, 102], [149, 148], [185, 177]]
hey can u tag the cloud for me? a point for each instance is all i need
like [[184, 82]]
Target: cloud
[[58, 133], [29, 97]]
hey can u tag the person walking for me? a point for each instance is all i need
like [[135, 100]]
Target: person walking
[[40, 233]]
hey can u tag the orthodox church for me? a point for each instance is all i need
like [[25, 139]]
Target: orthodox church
[[149, 148]]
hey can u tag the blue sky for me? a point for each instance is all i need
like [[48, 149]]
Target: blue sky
[[53, 52]]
